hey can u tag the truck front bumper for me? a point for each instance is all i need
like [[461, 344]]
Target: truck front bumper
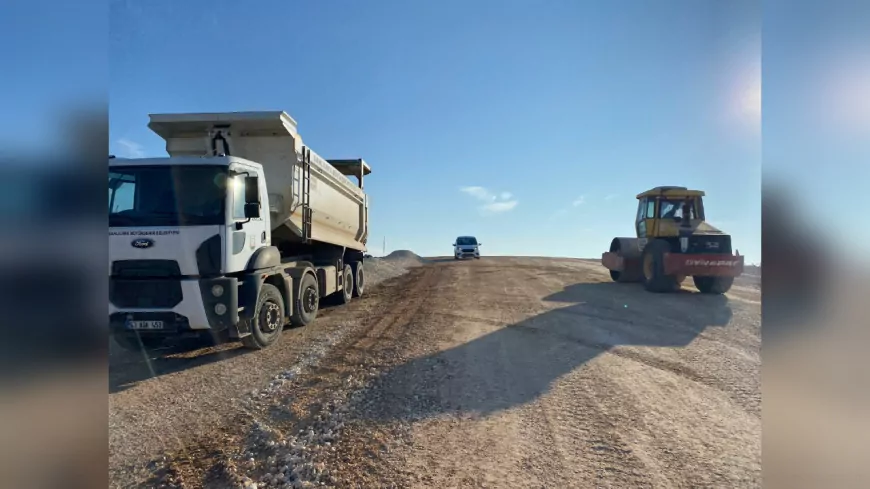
[[199, 309]]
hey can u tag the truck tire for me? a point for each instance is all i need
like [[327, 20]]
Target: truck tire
[[268, 320], [359, 278], [307, 302], [653, 263], [133, 342], [713, 285], [344, 295]]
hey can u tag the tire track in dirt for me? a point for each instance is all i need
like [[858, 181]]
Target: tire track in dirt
[[409, 301]]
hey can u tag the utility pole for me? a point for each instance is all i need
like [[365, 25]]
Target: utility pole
[[384, 252]]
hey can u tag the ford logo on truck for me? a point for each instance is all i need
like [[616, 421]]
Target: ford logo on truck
[[142, 243]]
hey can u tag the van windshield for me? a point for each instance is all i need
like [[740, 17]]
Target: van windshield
[[466, 241]]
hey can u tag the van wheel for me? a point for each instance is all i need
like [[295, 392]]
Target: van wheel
[[359, 278], [268, 320], [307, 302]]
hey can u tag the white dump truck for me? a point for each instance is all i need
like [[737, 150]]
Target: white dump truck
[[240, 230]]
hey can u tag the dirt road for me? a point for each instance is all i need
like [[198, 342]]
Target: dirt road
[[503, 372]]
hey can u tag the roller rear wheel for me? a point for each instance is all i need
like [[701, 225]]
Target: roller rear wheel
[[713, 285], [653, 262]]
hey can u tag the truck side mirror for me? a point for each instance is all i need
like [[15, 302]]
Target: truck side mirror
[[252, 198], [252, 190], [252, 210], [454, 244]]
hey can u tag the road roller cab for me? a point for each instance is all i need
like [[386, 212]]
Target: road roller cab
[[673, 241]]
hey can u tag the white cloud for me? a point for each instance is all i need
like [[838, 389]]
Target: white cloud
[[579, 201], [499, 206], [493, 203], [130, 149]]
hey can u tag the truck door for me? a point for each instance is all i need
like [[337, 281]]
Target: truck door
[[245, 235]]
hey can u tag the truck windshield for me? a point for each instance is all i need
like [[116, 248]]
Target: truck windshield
[[466, 241], [167, 195]]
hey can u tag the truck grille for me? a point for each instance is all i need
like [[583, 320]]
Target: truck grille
[[145, 284], [145, 268], [145, 293]]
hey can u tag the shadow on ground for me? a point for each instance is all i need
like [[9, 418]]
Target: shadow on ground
[[518, 363], [127, 368]]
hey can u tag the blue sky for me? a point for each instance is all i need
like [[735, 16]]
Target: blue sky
[[531, 125]]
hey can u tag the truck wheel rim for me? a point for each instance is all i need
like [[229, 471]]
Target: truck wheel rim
[[270, 316], [348, 284], [310, 299], [360, 278]]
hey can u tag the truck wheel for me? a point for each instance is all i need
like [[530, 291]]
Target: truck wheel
[[268, 320], [132, 342], [654, 278], [359, 279], [713, 285], [344, 295], [307, 302]]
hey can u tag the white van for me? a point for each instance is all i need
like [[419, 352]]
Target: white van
[[465, 247]]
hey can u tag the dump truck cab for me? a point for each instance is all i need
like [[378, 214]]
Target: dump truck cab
[[240, 230], [673, 241]]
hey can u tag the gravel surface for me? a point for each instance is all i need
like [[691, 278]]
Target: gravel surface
[[170, 404], [548, 375]]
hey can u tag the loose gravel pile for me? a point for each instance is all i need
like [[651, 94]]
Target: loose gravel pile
[[391, 266]]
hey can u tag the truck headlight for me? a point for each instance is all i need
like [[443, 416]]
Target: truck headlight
[[220, 309], [217, 290]]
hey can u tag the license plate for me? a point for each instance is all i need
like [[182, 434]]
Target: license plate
[[144, 324]]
